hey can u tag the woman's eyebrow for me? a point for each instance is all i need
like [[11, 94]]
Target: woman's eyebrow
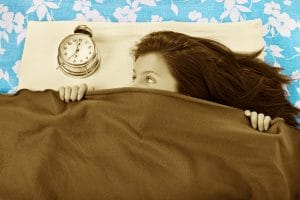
[[153, 72]]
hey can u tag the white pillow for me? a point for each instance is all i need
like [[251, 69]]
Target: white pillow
[[114, 41]]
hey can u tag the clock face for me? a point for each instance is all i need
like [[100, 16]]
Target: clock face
[[77, 49]]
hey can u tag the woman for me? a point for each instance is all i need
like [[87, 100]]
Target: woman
[[206, 69]]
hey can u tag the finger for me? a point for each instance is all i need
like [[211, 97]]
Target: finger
[[267, 122], [82, 90], [91, 89], [254, 119], [275, 120], [61, 91], [67, 94], [74, 92], [260, 122], [247, 113]]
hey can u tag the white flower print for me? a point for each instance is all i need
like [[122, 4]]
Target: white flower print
[[3, 9], [296, 75], [1, 73], [284, 24], [297, 104], [197, 17], [18, 22], [272, 8], [298, 90], [6, 25], [99, 1], [233, 9], [18, 26], [213, 20], [82, 5], [285, 88], [136, 3], [41, 9], [194, 15], [94, 15], [126, 14], [9, 22], [6, 21], [296, 54], [2, 51], [276, 51], [280, 22], [276, 64], [13, 90], [16, 67], [85, 12], [80, 17], [287, 2], [174, 8], [156, 18], [4, 75]]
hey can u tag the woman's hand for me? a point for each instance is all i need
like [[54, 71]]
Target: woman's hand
[[74, 93], [258, 121]]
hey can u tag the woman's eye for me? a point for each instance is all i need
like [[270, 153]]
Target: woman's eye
[[150, 79]]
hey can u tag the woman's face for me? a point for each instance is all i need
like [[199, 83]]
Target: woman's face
[[151, 71]]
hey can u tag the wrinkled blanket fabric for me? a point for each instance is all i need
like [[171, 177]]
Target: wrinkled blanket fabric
[[130, 143]]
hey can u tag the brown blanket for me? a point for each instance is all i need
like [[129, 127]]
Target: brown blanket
[[131, 143]]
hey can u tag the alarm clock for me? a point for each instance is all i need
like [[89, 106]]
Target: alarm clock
[[77, 53]]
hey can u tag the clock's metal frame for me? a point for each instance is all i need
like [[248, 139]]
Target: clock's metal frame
[[84, 69]]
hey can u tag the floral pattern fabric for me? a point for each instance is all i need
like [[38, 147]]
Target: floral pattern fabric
[[281, 24]]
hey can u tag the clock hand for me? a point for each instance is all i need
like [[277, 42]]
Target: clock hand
[[76, 51], [73, 55]]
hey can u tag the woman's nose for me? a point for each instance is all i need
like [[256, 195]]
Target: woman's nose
[[134, 84], [137, 85]]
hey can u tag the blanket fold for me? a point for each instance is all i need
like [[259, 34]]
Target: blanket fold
[[131, 143]]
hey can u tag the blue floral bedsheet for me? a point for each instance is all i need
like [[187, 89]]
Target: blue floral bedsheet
[[280, 21]]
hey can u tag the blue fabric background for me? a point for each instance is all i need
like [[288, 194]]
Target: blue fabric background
[[280, 20]]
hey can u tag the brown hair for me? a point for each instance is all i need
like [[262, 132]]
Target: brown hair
[[208, 70]]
